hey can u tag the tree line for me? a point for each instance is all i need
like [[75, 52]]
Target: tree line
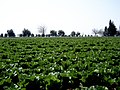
[[42, 30], [27, 33], [111, 30]]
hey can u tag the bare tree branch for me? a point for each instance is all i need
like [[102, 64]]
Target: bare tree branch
[[95, 31], [42, 29]]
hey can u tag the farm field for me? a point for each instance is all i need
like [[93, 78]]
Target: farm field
[[60, 63]]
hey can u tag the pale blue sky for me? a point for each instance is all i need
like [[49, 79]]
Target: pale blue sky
[[67, 15]]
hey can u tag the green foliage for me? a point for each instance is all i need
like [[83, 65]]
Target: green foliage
[[60, 63]]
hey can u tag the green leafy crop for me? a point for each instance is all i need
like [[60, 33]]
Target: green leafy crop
[[60, 63]]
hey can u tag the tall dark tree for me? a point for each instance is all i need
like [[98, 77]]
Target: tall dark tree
[[53, 33], [26, 33], [73, 33], [105, 33], [112, 29], [61, 33], [10, 33]]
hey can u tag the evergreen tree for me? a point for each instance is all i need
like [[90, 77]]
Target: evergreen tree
[[111, 30]]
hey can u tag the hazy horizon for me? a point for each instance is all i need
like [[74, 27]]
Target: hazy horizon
[[67, 15]]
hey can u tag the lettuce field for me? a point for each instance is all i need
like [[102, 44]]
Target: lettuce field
[[60, 63]]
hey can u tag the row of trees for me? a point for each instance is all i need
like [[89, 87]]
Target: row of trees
[[42, 29], [111, 30]]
